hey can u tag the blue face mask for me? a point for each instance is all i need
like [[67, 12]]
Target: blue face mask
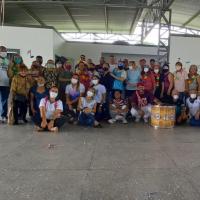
[[120, 66], [18, 60]]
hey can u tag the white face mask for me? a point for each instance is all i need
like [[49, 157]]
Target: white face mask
[[53, 95], [193, 96], [3, 54], [50, 65], [130, 67], [178, 68], [74, 81], [156, 71], [95, 82], [40, 84], [90, 94], [58, 65], [146, 69], [175, 96]]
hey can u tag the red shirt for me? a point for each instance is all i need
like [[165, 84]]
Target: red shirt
[[149, 81]]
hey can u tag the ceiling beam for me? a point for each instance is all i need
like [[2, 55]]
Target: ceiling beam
[[192, 18], [84, 4], [135, 20], [72, 18], [106, 18], [32, 15]]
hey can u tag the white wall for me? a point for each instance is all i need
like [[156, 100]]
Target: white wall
[[38, 40], [47, 42], [185, 48], [58, 45], [94, 51]]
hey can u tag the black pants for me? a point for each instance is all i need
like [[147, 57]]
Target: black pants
[[19, 110], [57, 122]]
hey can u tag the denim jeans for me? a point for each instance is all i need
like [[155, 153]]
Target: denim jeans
[[86, 119], [4, 93]]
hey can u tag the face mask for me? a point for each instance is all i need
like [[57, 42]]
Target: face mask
[[178, 68], [95, 82], [18, 60], [53, 95], [146, 69], [175, 96], [22, 74], [165, 70], [74, 81], [40, 84], [50, 65], [193, 96], [90, 94], [156, 71], [58, 65], [120, 67], [3, 54], [130, 67]]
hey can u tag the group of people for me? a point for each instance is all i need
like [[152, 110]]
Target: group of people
[[86, 94]]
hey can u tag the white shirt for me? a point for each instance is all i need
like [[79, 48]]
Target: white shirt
[[73, 93], [100, 91], [112, 67], [193, 107], [50, 107]]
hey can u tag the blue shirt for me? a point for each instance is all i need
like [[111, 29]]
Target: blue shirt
[[133, 77]]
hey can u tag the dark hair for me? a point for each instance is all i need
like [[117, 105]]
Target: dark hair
[[39, 57], [179, 63], [152, 60]]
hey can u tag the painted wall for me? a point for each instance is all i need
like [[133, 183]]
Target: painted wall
[[38, 40], [94, 51], [185, 48], [47, 42]]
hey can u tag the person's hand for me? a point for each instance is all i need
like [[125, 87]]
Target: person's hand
[[70, 107], [87, 110], [50, 125], [33, 111], [44, 124], [197, 116]]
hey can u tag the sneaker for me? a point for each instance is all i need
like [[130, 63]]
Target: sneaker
[[4, 120], [118, 117], [137, 120], [124, 121], [111, 121]]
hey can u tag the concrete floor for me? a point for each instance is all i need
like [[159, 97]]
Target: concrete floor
[[125, 162]]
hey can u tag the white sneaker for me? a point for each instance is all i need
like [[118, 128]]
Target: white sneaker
[[124, 121], [111, 121], [118, 117], [4, 120]]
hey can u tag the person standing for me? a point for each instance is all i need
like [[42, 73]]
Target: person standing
[[133, 78], [4, 83], [180, 77]]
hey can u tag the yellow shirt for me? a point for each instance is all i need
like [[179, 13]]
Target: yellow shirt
[[20, 85]]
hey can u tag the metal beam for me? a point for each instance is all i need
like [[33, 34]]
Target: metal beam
[[135, 20], [72, 18], [192, 18], [85, 4], [169, 4], [106, 18], [32, 15]]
